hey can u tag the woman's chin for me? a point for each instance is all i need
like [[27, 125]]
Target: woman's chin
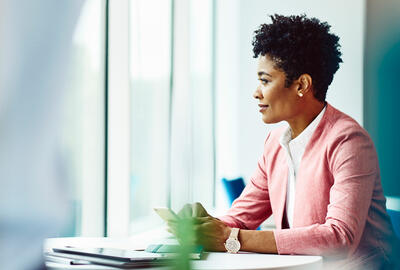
[[269, 120]]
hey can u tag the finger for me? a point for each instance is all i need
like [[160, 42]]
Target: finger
[[198, 210], [196, 228], [200, 220], [205, 237], [186, 211], [198, 235]]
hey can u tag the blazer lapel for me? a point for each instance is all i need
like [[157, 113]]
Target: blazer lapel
[[280, 187]]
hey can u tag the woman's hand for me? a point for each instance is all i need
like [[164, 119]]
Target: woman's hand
[[211, 233], [198, 227], [183, 228]]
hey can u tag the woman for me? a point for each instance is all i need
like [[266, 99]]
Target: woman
[[319, 177]]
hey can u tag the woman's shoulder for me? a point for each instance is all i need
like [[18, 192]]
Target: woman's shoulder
[[345, 143], [340, 136], [336, 123]]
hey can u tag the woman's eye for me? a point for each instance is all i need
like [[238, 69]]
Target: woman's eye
[[263, 81]]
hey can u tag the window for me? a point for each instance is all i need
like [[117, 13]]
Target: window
[[150, 97], [163, 145], [83, 134]]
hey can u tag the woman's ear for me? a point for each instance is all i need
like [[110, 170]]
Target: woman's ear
[[304, 84]]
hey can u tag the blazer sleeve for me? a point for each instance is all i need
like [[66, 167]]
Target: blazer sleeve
[[353, 162], [253, 206]]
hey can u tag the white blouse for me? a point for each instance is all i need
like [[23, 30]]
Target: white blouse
[[294, 150]]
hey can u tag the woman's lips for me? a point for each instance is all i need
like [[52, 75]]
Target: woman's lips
[[262, 107]]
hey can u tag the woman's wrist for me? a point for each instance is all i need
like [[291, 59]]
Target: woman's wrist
[[258, 241], [227, 232]]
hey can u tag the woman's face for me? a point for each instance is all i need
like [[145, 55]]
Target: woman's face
[[276, 102]]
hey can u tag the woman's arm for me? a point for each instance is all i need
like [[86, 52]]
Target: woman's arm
[[257, 241], [354, 167], [212, 234], [353, 162]]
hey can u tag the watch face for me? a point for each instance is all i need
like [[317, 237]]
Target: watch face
[[232, 245]]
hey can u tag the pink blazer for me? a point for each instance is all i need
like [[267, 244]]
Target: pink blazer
[[339, 203]]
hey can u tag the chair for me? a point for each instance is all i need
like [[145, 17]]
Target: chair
[[233, 188]]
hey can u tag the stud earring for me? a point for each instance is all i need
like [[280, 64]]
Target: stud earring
[[300, 94]]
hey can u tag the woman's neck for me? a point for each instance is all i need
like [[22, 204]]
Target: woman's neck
[[309, 112]]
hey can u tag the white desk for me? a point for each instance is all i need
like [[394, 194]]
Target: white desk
[[213, 260]]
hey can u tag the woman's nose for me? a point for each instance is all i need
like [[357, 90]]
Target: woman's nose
[[257, 94]]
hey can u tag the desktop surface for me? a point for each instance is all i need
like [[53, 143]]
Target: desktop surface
[[211, 260]]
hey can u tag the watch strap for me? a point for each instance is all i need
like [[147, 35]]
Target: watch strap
[[234, 233]]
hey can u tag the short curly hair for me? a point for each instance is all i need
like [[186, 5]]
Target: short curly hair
[[300, 45]]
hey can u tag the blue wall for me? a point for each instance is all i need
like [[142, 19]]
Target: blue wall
[[382, 88]]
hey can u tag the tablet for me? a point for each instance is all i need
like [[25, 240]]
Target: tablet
[[166, 214]]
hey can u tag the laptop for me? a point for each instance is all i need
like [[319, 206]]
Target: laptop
[[121, 258]]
